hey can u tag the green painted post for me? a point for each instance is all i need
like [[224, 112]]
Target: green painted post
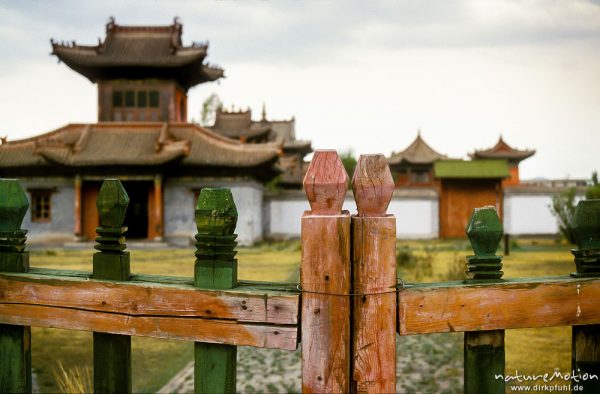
[[484, 350], [15, 341], [112, 353], [215, 268], [586, 339]]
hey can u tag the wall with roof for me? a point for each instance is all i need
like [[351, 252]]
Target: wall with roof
[[416, 213], [60, 228], [180, 196]]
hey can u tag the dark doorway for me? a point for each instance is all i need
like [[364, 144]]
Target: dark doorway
[[136, 217]]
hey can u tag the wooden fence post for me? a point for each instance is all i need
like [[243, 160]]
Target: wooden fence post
[[373, 279], [112, 352], [15, 341], [325, 278], [215, 268], [484, 350], [586, 339]]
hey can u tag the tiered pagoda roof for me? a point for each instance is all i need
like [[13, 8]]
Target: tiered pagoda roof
[[418, 152], [140, 52], [502, 151], [136, 144]]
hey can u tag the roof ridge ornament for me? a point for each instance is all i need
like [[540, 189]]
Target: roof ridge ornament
[[111, 24]]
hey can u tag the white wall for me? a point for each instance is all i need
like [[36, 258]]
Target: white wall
[[180, 226], [529, 212], [415, 217]]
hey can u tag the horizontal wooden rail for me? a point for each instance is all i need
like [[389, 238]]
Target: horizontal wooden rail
[[252, 314], [506, 304]]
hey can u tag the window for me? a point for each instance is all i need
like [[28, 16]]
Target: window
[[40, 205], [142, 99], [419, 176], [136, 98], [117, 99], [129, 98], [154, 98]]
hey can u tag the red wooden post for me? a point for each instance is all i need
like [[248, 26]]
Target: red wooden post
[[325, 278], [374, 279]]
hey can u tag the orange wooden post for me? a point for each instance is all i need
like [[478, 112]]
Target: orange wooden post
[[158, 208], [373, 279], [77, 189], [325, 278]]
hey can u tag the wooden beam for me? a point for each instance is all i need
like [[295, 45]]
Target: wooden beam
[[184, 328], [148, 299], [252, 306], [510, 303]]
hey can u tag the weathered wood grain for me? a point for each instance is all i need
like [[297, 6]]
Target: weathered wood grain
[[373, 314], [112, 353], [183, 328], [484, 360], [15, 341], [515, 303], [586, 356], [586, 339], [373, 185], [326, 183], [373, 279], [325, 278], [484, 350], [325, 281], [146, 298], [215, 267]]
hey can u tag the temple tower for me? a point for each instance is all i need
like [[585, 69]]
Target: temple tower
[[143, 72]]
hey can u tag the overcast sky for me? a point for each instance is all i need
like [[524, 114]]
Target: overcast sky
[[355, 74]]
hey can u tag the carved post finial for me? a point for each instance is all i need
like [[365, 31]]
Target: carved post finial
[[13, 204], [216, 218], [326, 183], [13, 207], [484, 232], [586, 227], [112, 202], [373, 185]]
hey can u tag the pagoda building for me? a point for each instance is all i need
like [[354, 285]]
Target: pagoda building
[[413, 166], [142, 137], [240, 126], [504, 151]]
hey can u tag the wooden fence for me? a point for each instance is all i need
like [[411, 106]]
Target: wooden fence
[[346, 312]]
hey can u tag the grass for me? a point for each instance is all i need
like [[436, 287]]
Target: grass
[[154, 361]]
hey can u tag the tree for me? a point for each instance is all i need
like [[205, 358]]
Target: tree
[[349, 161], [593, 190], [209, 109], [563, 207]]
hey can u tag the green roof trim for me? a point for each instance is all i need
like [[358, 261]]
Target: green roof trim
[[471, 169]]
